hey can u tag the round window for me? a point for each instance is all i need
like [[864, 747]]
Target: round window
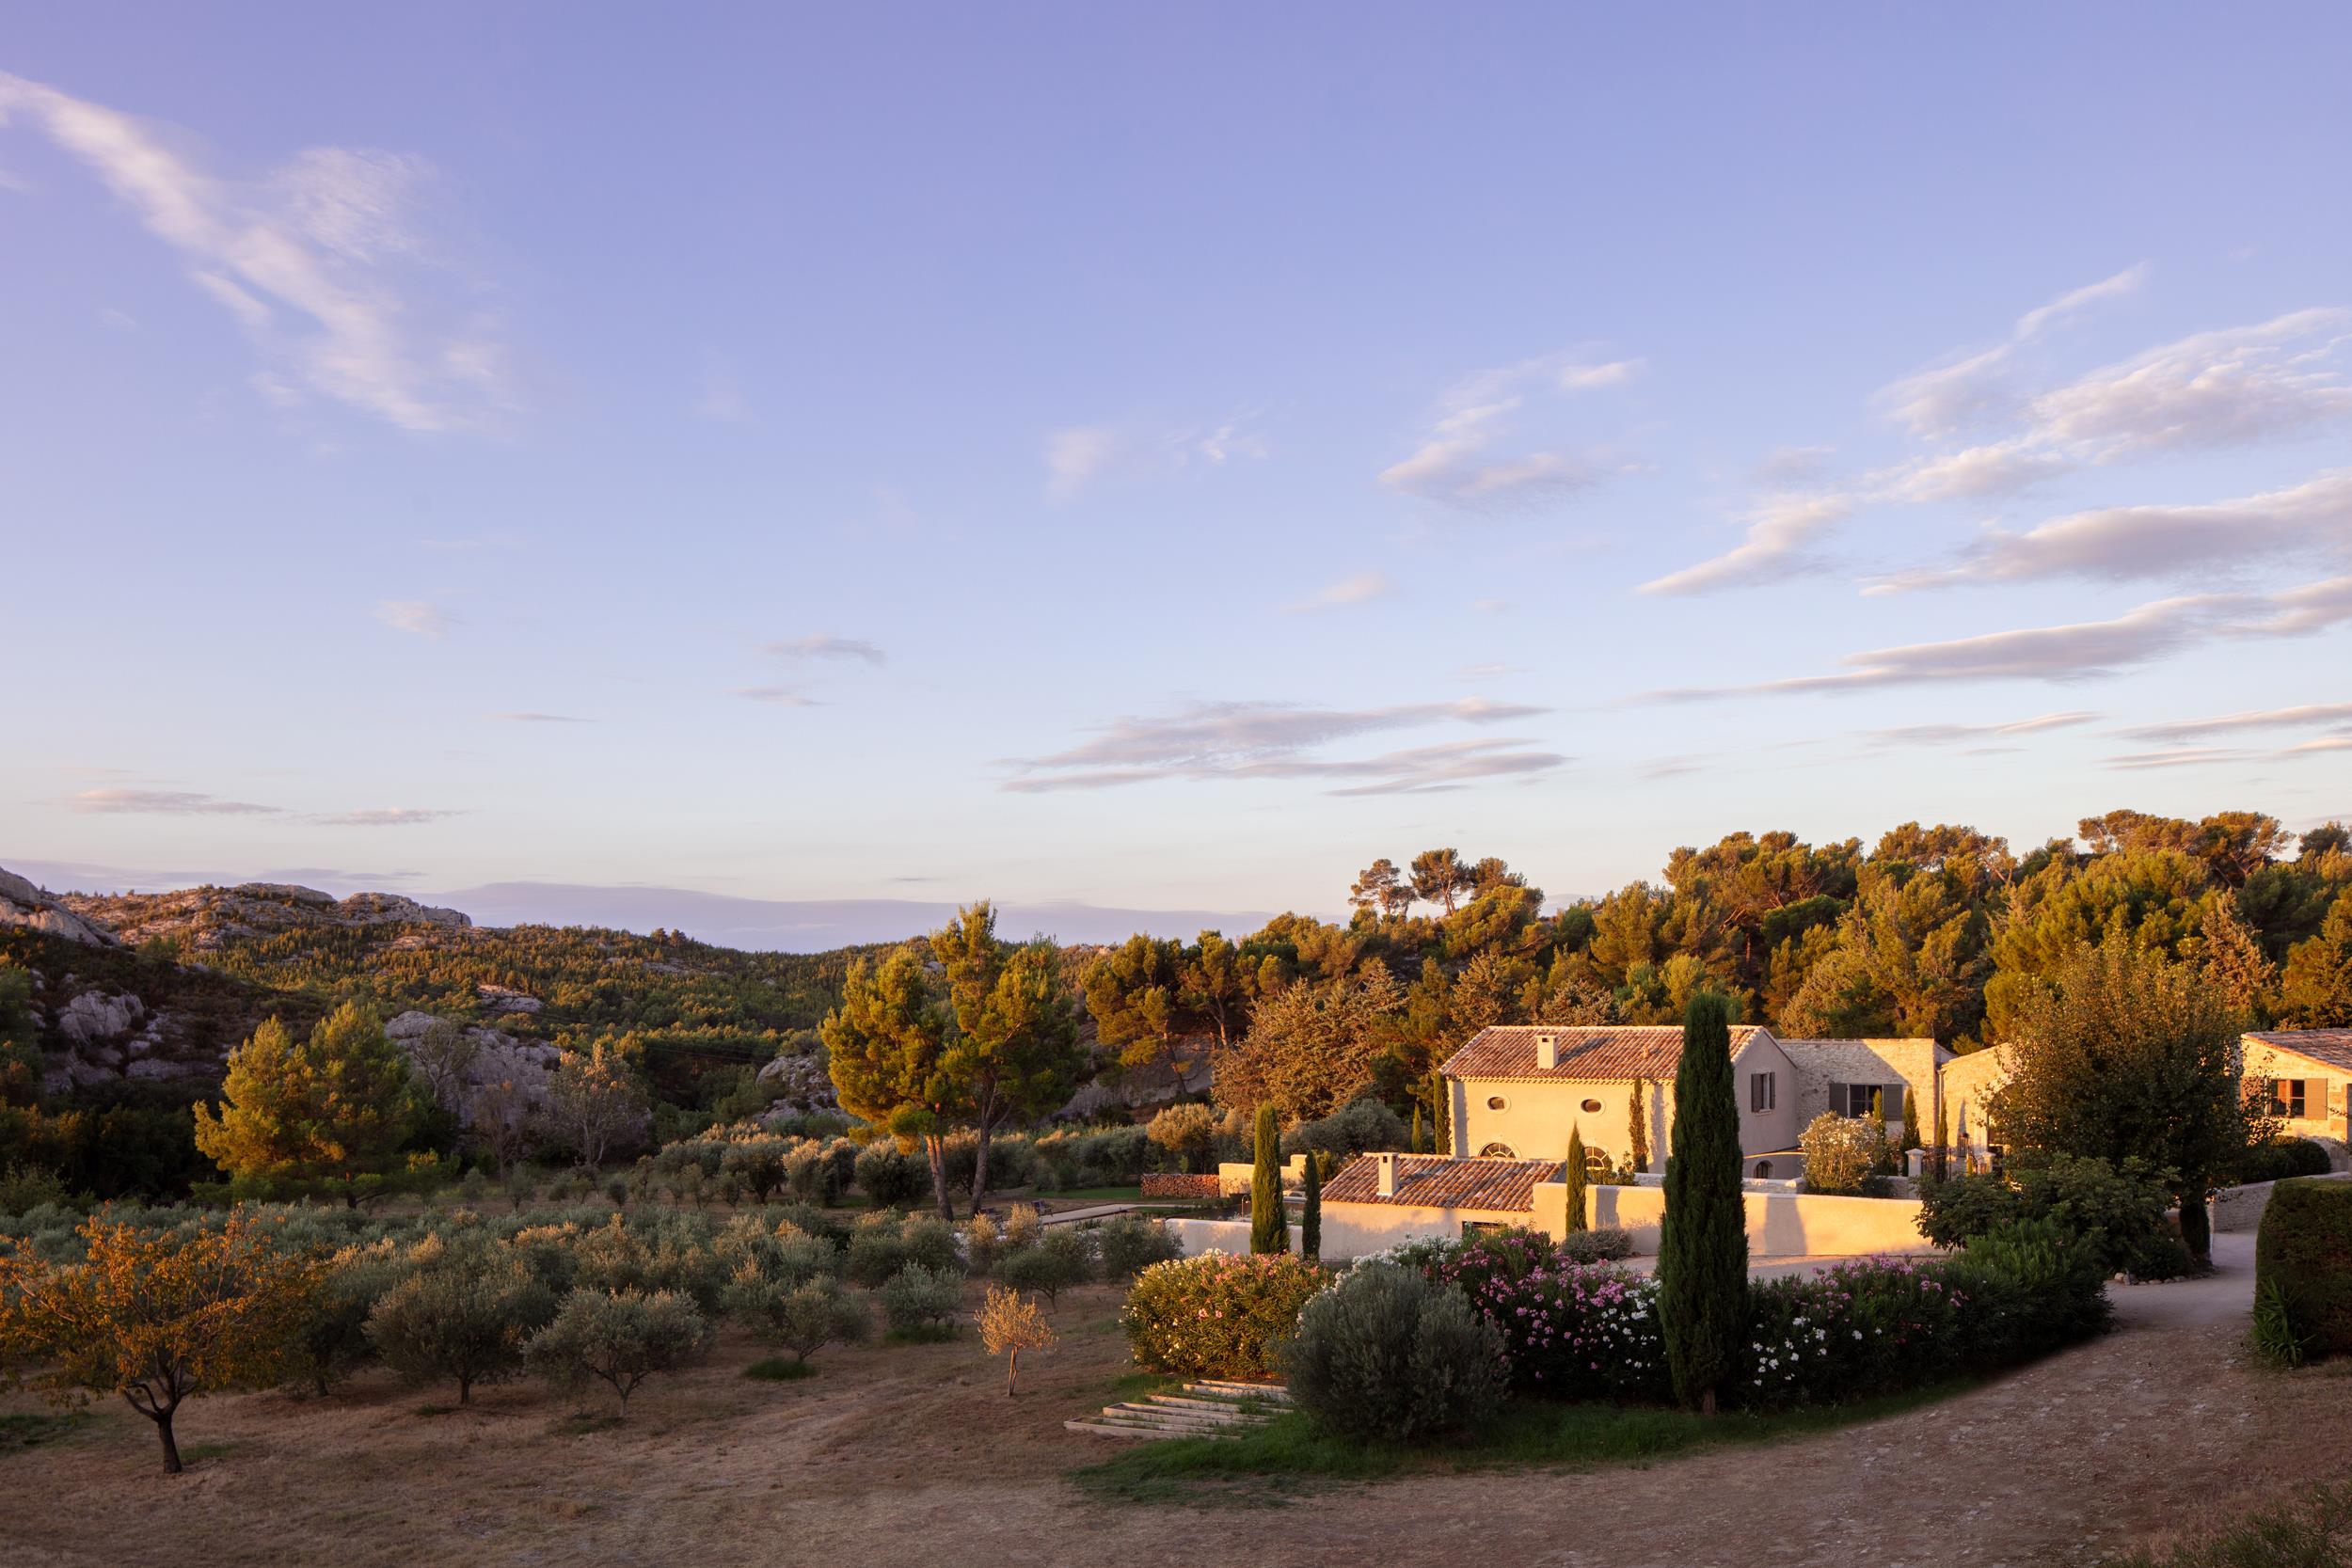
[[1592, 1105], [1496, 1102]]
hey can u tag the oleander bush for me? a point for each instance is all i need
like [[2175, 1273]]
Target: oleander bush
[[2303, 1255], [1387, 1356], [1575, 1332], [1216, 1315], [1863, 1328]]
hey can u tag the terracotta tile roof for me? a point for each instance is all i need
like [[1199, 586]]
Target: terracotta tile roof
[[1436, 1182], [1617, 1053], [2332, 1046]]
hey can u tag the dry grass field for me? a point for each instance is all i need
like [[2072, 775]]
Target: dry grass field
[[913, 1453]]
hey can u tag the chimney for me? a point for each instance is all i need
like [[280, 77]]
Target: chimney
[[1387, 1176], [1547, 1052]]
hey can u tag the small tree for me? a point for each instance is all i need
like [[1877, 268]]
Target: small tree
[[1311, 1210], [1010, 1323], [594, 1099], [335, 1106], [1839, 1152], [1576, 1179], [1417, 1147], [621, 1338], [1703, 1245], [1637, 1124], [1911, 1139], [1270, 1226], [157, 1318], [802, 1317], [464, 1314], [1188, 1132], [1943, 1139]]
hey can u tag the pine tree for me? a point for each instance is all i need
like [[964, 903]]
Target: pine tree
[[1576, 1180], [1637, 1124], [334, 1107], [1703, 1248], [1269, 1228], [1311, 1212]]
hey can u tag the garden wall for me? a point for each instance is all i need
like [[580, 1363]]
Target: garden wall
[[1195, 1237], [2240, 1209], [1780, 1225]]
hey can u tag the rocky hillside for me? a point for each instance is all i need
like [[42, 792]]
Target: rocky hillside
[[205, 919]]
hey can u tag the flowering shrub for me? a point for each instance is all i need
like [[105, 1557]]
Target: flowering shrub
[[1839, 1151], [1491, 1256], [1865, 1327], [1579, 1332], [1217, 1314]]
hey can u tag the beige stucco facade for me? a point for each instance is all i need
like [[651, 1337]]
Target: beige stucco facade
[[1780, 1225], [1531, 1118]]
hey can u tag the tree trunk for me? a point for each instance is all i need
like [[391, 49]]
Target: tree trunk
[[1706, 1402], [980, 1170], [161, 1415], [2196, 1225], [1013, 1371], [936, 1146], [465, 1389]]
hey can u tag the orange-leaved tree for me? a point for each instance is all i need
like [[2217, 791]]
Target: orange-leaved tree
[[156, 1318]]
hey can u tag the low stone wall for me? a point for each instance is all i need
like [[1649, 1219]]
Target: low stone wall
[[2240, 1209], [1161, 1184], [1195, 1237]]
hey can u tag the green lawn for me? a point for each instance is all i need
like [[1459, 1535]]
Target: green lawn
[[1101, 1194], [1270, 1465]]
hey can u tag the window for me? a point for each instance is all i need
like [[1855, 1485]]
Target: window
[[1496, 1102], [1592, 1105], [1763, 1090], [1763, 1170], [1853, 1099], [1498, 1151], [2287, 1094], [1596, 1162]]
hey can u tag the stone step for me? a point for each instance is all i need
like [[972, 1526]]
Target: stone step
[[1115, 1428], [1273, 1393], [1230, 1409], [1173, 1417]]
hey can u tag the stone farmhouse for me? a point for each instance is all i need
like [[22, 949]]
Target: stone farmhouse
[[1517, 1090], [2307, 1076]]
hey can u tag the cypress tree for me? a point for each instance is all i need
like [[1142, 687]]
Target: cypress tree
[[1703, 1248], [1311, 1214], [1637, 1124], [1575, 1176], [1441, 1130], [1943, 1136], [1910, 1120], [1417, 1148], [1269, 1227]]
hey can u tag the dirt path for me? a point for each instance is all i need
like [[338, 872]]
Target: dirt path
[[914, 1454]]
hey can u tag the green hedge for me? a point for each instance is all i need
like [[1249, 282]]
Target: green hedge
[[2305, 1248]]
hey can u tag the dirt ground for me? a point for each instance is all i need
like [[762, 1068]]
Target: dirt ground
[[914, 1454]]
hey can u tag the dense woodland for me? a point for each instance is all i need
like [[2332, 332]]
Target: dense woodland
[[1932, 930]]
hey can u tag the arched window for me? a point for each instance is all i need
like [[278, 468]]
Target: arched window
[[1596, 1162], [1496, 1102], [1498, 1151], [1763, 1169]]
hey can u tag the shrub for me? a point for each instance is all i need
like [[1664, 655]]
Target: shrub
[[1867, 1328], [464, 1314], [915, 1298], [815, 1175], [2304, 1252], [1216, 1315], [876, 1251], [1578, 1333], [1488, 1256], [983, 1238], [925, 1242], [1022, 1226], [622, 1338], [1188, 1132], [1351, 1129], [617, 1257], [27, 1187], [333, 1342], [1839, 1152], [801, 1317], [2277, 1340], [1010, 1323], [781, 1252], [2280, 1159], [1132, 1243], [1606, 1244], [1060, 1259], [888, 1177], [758, 1163], [2037, 1286], [2119, 1209], [1386, 1356]]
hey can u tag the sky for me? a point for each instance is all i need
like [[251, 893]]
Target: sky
[[1156, 457]]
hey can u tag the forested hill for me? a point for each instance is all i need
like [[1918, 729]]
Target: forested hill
[[531, 980]]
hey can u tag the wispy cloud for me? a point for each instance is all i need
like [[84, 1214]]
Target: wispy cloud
[[1273, 740], [1938, 402], [415, 616], [777, 696], [542, 718], [2082, 651], [1080, 456], [2184, 756], [386, 817], [1945, 734], [322, 264], [1467, 459], [1362, 588], [1779, 533], [2124, 543], [166, 803], [822, 644], [2303, 715]]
